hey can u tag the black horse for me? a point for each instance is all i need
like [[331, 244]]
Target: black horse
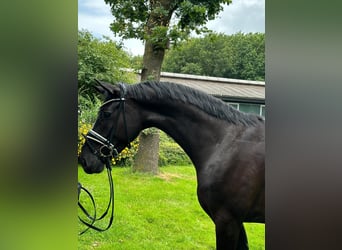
[[227, 147]]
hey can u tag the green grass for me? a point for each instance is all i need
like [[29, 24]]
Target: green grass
[[154, 212]]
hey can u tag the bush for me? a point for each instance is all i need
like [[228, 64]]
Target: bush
[[101, 59], [88, 109], [170, 153], [82, 130]]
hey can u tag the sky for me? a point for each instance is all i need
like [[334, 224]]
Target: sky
[[240, 16]]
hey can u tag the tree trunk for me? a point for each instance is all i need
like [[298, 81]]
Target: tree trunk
[[147, 156], [152, 62], [146, 160]]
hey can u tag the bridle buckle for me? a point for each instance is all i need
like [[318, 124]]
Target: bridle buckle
[[107, 151]]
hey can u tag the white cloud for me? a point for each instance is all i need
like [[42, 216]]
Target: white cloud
[[97, 25], [243, 15], [134, 46], [96, 17], [95, 6]]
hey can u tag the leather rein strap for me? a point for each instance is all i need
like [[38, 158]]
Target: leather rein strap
[[93, 218]]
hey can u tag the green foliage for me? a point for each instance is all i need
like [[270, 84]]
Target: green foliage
[[137, 62], [101, 59], [86, 117], [88, 108], [192, 68], [170, 153], [240, 56], [162, 21], [247, 56], [154, 212]]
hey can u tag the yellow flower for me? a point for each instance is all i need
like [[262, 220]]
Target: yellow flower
[[125, 153]]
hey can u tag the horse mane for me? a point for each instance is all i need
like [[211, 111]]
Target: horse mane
[[166, 92]]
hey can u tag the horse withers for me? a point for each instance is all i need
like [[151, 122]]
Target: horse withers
[[226, 146]]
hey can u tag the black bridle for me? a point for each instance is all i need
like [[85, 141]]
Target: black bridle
[[106, 152]]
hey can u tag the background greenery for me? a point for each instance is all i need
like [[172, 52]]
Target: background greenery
[[170, 153], [238, 56], [102, 59]]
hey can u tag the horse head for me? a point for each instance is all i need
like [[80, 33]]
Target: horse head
[[117, 124]]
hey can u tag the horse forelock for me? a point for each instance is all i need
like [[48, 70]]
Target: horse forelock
[[166, 92]]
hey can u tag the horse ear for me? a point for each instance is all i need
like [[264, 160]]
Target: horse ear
[[106, 89]]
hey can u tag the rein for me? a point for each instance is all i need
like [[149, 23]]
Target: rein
[[93, 218], [106, 152]]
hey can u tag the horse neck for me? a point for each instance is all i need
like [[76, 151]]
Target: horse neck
[[189, 126]]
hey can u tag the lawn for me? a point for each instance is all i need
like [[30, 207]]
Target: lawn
[[154, 212]]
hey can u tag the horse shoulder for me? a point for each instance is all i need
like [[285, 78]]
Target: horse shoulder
[[233, 173]]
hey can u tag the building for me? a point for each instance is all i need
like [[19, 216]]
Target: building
[[244, 95]]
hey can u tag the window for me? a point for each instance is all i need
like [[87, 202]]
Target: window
[[262, 110], [250, 108], [234, 105]]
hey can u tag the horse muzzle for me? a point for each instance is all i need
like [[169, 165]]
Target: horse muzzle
[[91, 166]]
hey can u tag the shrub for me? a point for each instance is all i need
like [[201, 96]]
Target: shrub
[[125, 158], [82, 130], [170, 153], [88, 109], [101, 59]]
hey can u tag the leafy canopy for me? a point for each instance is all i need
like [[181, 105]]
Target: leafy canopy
[[161, 21], [240, 56], [102, 59]]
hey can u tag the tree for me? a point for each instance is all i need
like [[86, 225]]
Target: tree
[[247, 56], [102, 59], [159, 23], [202, 56], [240, 56]]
